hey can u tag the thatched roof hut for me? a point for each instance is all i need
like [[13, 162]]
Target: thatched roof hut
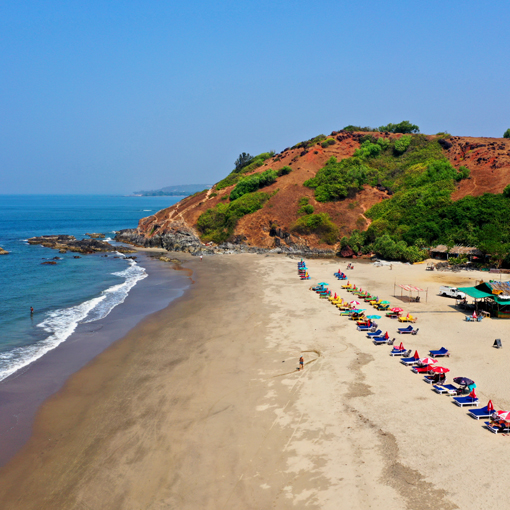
[[457, 251]]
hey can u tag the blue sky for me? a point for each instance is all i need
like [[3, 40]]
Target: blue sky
[[116, 96]]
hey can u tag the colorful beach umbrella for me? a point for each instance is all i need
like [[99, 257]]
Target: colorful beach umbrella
[[463, 381], [355, 303], [397, 309], [428, 361], [440, 370], [373, 316], [323, 283], [504, 415]]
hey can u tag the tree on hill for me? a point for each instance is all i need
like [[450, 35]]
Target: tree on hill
[[243, 160], [403, 127], [506, 134]]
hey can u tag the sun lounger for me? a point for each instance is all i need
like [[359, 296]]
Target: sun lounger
[[495, 428], [380, 337], [441, 352], [483, 412], [375, 333], [421, 370], [380, 340], [408, 331], [434, 379], [466, 401], [409, 361], [397, 352], [444, 388]]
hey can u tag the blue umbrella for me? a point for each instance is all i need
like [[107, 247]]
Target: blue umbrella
[[373, 316], [323, 283]]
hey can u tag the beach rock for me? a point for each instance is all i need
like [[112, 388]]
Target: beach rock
[[95, 236], [49, 263], [78, 257], [86, 246], [3, 252], [347, 252], [62, 250]]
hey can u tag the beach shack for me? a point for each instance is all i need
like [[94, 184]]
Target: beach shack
[[493, 297], [441, 252]]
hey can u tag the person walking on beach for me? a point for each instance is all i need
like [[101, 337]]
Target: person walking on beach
[[200, 258], [301, 363]]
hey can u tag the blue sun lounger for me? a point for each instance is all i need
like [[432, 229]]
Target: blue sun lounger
[[409, 361], [495, 430], [441, 352], [480, 413], [375, 333], [466, 401], [449, 389], [398, 352], [380, 340]]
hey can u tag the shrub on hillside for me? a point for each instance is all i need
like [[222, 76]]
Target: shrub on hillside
[[326, 143], [305, 209], [319, 224], [402, 127], [402, 144], [253, 183], [284, 170], [506, 134]]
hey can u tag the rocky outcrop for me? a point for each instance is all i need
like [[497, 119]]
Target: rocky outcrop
[[179, 238], [3, 252], [95, 236], [65, 243]]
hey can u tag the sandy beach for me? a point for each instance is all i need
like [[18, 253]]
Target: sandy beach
[[200, 406]]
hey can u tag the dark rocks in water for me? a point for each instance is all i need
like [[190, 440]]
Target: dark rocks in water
[[95, 236], [49, 263], [131, 258], [78, 257], [62, 250], [56, 258], [86, 246], [3, 252]]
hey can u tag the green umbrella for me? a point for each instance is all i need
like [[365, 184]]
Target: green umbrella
[[385, 302]]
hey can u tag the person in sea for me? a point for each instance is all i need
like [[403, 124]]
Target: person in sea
[[301, 363], [31, 310]]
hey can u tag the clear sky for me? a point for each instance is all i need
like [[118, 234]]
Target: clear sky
[[116, 96]]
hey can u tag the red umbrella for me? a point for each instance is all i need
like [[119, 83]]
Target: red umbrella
[[427, 361], [336, 296], [504, 415], [416, 355], [490, 407], [386, 335], [473, 394], [397, 310], [401, 347], [440, 370], [474, 315]]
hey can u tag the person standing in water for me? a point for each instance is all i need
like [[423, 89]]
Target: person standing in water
[[31, 310]]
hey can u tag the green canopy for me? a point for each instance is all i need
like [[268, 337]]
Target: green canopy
[[476, 293]]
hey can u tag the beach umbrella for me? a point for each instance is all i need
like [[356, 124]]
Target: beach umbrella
[[356, 303], [504, 415], [440, 370], [373, 316], [397, 309], [463, 381], [427, 361], [323, 283], [385, 302], [336, 296], [416, 355], [474, 315], [401, 347], [473, 394], [490, 407]]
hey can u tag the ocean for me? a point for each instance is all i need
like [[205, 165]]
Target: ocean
[[72, 292]]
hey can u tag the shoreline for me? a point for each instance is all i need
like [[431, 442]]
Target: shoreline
[[22, 393], [201, 406]]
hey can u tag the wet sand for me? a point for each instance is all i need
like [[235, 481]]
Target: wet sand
[[200, 406]]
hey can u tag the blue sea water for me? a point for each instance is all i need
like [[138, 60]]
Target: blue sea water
[[74, 290]]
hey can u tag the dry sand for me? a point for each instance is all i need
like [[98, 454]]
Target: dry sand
[[201, 405]]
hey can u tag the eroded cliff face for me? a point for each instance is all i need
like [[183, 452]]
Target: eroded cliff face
[[174, 229]]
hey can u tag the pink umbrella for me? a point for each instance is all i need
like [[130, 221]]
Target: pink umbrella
[[397, 310], [427, 361], [440, 370]]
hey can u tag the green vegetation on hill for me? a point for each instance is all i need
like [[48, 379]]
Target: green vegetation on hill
[[244, 164], [319, 224], [217, 224], [506, 134], [402, 127]]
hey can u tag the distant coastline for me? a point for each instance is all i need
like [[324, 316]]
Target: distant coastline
[[182, 190]]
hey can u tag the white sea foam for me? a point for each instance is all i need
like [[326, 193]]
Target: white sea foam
[[147, 210], [60, 324]]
